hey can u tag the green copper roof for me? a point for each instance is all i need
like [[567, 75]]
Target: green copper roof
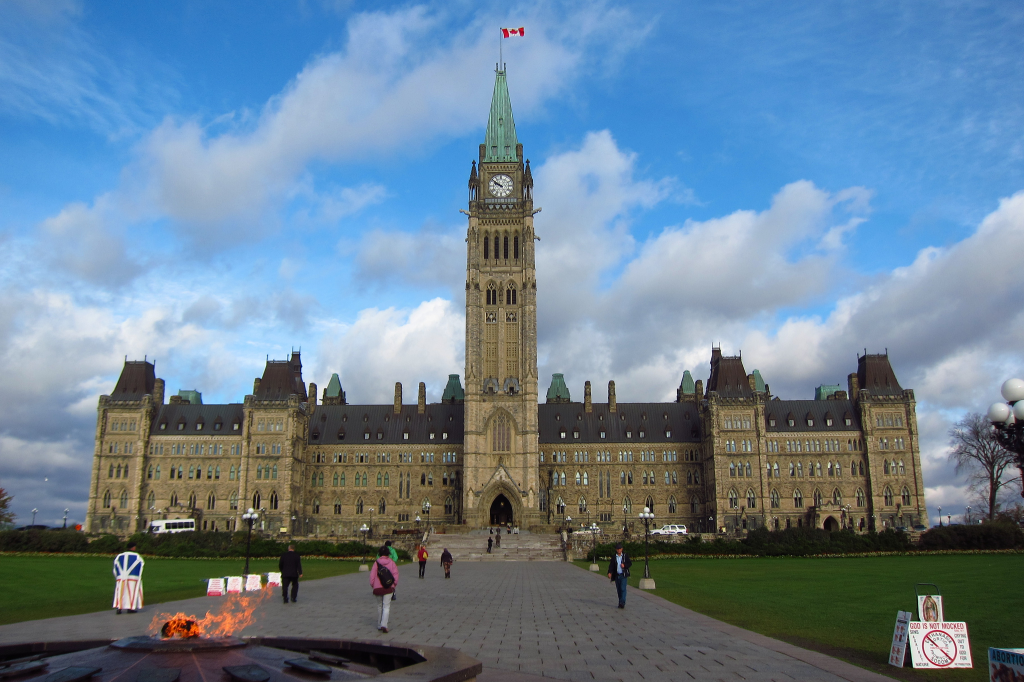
[[193, 397], [333, 386], [558, 392], [686, 385], [825, 390], [453, 391], [758, 381], [500, 139]]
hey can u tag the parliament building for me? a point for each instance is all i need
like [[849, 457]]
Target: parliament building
[[725, 456]]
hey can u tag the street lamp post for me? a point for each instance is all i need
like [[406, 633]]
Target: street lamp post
[[940, 516], [593, 533], [625, 521], [34, 512], [66, 510], [371, 523], [426, 510], [647, 583], [364, 529], [1008, 420], [968, 519], [250, 517]]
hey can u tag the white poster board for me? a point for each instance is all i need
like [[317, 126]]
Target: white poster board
[[940, 645], [898, 651], [929, 608], [273, 580], [253, 582], [234, 584], [215, 587], [1005, 664]]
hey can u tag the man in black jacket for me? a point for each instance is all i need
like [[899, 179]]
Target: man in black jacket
[[290, 566], [618, 572]]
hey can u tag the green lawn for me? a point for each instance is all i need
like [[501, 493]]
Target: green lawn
[[847, 607], [57, 585]]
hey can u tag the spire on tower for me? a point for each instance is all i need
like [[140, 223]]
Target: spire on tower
[[500, 141]]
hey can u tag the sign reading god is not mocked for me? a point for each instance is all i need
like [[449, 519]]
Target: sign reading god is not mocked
[[940, 645]]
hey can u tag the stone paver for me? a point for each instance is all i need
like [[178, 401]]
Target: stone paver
[[547, 619]]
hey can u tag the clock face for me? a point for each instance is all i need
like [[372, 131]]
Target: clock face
[[500, 186]]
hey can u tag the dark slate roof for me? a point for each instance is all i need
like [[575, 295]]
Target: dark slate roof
[[875, 375], [728, 378], [282, 378], [137, 379], [781, 410], [348, 424], [627, 417], [191, 416]]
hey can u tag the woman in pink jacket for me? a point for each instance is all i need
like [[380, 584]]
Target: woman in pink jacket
[[384, 580]]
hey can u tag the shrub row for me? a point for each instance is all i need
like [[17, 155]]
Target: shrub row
[[993, 535], [197, 544]]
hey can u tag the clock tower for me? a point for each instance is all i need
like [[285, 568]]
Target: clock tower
[[500, 462]]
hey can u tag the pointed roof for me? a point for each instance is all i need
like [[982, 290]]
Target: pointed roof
[[686, 385], [333, 387], [558, 392], [759, 384], [500, 140], [875, 375], [137, 379], [453, 391]]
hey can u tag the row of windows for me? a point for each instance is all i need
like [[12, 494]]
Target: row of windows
[[122, 424], [775, 499], [119, 448], [362, 479], [270, 424], [115, 472], [893, 467], [383, 457], [744, 446], [816, 445], [625, 478], [193, 448], [736, 421], [885, 443], [496, 296], [501, 244], [810, 421], [627, 506], [796, 469], [217, 425], [267, 449], [382, 507], [889, 419]]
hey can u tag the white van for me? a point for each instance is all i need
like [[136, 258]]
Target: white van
[[172, 526]]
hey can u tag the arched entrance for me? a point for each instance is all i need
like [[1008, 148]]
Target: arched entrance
[[501, 511], [831, 524]]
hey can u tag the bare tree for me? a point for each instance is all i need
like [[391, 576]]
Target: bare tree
[[6, 515], [977, 453]]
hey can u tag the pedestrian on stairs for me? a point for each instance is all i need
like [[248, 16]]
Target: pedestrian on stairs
[[497, 540], [421, 556], [490, 543], [446, 563], [384, 570]]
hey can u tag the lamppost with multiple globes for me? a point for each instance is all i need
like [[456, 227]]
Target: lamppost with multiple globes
[[594, 528], [1008, 420], [647, 583], [426, 510], [66, 511], [34, 512], [250, 517]]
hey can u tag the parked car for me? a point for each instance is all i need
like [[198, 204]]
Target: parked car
[[670, 529]]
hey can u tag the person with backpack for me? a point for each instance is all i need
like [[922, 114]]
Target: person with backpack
[[384, 580], [421, 556], [394, 557], [446, 563]]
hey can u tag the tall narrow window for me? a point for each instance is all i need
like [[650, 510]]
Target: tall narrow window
[[273, 499], [515, 247], [506, 247], [256, 499], [501, 436], [487, 247], [211, 501], [798, 499], [497, 247]]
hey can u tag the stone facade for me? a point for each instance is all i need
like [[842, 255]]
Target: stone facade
[[729, 456]]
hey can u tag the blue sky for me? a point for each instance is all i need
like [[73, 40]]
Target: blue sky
[[209, 187]]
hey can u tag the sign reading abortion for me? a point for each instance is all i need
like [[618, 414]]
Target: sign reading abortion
[[253, 582], [273, 580], [940, 645], [234, 584], [1005, 664], [215, 587], [898, 652]]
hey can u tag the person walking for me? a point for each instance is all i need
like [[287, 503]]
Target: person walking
[[290, 565], [490, 543], [421, 556], [446, 563], [384, 581], [618, 572], [128, 580], [393, 553], [497, 540]]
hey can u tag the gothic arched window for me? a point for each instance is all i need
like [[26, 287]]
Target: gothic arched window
[[751, 500], [382, 506], [775, 499], [487, 247], [672, 505], [337, 506], [211, 501], [359, 506], [256, 499], [501, 436], [817, 497], [151, 500], [106, 500], [497, 247], [515, 246], [906, 496], [191, 499], [649, 503], [492, 294], [506, 247], [510, 294], [860, 497], [887, 496], [798, 499], [273, 499], [837, 497], [582, 506]]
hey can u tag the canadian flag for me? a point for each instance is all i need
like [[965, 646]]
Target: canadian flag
[[509, 32]]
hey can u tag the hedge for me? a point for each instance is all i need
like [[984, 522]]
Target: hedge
[[187, 545], [991, 535]]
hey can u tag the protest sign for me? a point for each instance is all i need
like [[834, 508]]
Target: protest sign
[[234, 584], [898, 651], [940, 645], [215, 587]]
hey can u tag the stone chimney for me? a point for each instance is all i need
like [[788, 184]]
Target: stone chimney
[[256, 386], [751, 382], [312, 394], [698, 388], [158, 391], [853, 381], [421, 399], [398, 397], [587, 405], [611, 396], [175, 400]]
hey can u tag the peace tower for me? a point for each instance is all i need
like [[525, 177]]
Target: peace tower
[[501, 437]]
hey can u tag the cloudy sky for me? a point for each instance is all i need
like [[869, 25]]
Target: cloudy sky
[[208, 187]]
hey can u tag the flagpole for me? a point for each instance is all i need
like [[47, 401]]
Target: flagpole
[[500, 45]]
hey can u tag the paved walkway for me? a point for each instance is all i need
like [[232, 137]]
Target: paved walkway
[[520, 619]]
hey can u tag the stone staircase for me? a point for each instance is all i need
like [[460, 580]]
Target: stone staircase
[[472, 546]]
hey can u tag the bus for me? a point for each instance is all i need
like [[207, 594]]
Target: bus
[[172, 526]]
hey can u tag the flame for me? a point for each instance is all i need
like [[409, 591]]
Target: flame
[[236, 614]]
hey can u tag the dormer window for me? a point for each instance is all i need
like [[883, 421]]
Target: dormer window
[[828, 421], [849, 421], [366, 435], [629, 434], [181, 426], [602, 434], [562, 433], [810, 422], [236, 426], [641, 434], [316, 435], [792, 422], [217, 426], [405, 435], [575, 434], [199, 426], [771, 422], [341, 434], [444, 435], [668, 433], [163, 426], [432, 435]]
